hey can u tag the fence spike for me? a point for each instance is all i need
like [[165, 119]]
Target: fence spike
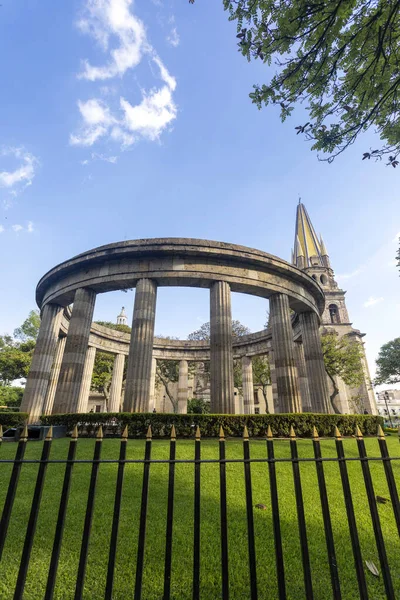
[[292, 434], [173, 432], [197, 436], [269, 433], [1, 431], [49, 435], [338, 435], [315, 435], [99, 435], [124, 435], [24, 434], [358, 432], [75, 434], [149, 434], [381, 435], [245, 433], [221, 433]]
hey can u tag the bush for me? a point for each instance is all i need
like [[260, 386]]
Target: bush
[[198, 406], [12, 419], [233, 425]]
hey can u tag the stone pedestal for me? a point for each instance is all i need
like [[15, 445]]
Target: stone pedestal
[[114, 402], [73, 363], [54, 375], [221, 356], [285, 367], [42, 361], [183, 387], [137, 388], [317, 378], [86, 380], [303, 377], [247, 383]]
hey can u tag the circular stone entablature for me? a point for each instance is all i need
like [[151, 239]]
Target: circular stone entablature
[[181, 262]]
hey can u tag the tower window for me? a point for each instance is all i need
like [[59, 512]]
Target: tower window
[[314, 277], [334, 313], [323, 279]]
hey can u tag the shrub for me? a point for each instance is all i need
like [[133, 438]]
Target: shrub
[[11, 396], [12, 419], [233, 425]]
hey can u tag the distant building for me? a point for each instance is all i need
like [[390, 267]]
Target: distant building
[[388, 404], [122, 319]]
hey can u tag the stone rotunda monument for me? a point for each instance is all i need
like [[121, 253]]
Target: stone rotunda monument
[[303, 296]]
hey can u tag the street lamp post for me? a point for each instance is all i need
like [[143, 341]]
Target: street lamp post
[[386, 396]]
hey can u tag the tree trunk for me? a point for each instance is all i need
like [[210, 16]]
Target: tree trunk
[[334, 394], [165, 383], [264, 391]]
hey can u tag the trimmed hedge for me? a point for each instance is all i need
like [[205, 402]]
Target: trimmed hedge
[[12, 419], [209, 424]]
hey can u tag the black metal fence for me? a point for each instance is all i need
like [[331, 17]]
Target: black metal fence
[[194, 535]]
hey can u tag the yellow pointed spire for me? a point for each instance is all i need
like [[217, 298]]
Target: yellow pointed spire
[[269, 433], [99, 435], [292, 434], [338, 435], [315, 435], [149, 434], [197, 436], [245, 433], [124, 435], [74, 434], [221, 433], [358, 432], [1, 431], [308, 242], [381, 435], [324, 251], [24, 434], [173, 433], [49, 435]]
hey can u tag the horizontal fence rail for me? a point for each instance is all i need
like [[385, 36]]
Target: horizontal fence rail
[[273, 485]]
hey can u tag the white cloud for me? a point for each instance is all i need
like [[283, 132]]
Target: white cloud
[[17, 228], [123, 37], [1, 228], [372, 301], [17, 180], [109, 159], [396, 237], [173, 38], [30, 227], [352, 274]]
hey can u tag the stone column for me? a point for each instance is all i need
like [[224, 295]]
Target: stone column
[[274, 388], [72, 367], [247, 383], [317, 378], [54, 375], [183, 387], [221, 355], [152, 402], [137, 388], [43, 357], [114, 402], [303, 377], [282, 337], [86, 380]]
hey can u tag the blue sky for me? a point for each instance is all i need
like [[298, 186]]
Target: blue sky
[[123, 120]]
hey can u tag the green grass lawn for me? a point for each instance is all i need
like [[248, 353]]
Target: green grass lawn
[[182, 555]]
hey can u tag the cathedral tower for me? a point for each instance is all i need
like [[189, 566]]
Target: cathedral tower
[[122, 318], [310, 255]]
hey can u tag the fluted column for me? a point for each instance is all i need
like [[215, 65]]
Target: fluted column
[[114, 402], [317, 378], [86, 380], [42, 360], [73, 363], [247, 383], [183, 387], [221, 356], [152, 401], [285, 367], [138, 375], [303, 377], [54, 375], [274, 388]]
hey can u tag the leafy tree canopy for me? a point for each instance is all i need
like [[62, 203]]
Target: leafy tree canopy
[[11, 396], [203, 334], [124, 328], [198, 406], [388, 363], [262, 375], [29, 329], [342, 358], [102, 373], [338, 58]]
